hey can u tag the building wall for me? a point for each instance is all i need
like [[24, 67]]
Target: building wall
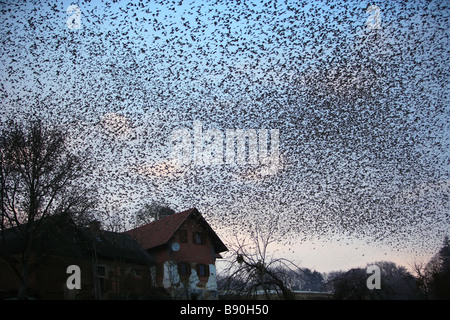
[[120, 280], [50, 279], [47, 280], [192, 284]]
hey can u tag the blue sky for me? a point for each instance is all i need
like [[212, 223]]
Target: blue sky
[[363, 114]]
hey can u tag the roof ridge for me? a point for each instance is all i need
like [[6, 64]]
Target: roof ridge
[[162, 219]]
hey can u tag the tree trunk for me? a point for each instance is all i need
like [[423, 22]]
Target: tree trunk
[[23, 282]]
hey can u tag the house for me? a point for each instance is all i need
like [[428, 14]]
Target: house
[[112, 265], [185, 248]]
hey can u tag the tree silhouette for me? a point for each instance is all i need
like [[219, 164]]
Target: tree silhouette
[[151, 212], [253, 271], [38, 179], [396, 284], [440, 283]]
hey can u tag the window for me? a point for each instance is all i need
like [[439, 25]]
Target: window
[[100, 279], [198, 238], [183, 236], [202, 270], [101, 271], [184, 269]]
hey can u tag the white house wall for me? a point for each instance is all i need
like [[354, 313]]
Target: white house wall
[[212, 279], [172, 278], [171, 275]]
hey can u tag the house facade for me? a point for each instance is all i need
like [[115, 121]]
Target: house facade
[[185, 249]]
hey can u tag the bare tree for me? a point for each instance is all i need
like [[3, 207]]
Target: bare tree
[[252, 270], [37, 180]]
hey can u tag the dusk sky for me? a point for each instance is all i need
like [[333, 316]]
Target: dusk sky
[[361, 106]]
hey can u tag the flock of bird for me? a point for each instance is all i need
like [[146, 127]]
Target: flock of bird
[[363, 114]]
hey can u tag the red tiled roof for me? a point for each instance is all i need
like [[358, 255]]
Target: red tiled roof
[[161, 231]]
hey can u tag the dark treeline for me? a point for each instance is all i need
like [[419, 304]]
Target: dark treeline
[[429, 280]]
